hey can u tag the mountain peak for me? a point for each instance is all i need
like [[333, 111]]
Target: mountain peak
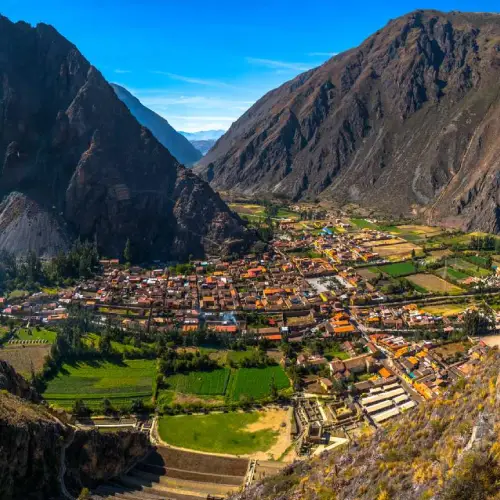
[[404, 123]]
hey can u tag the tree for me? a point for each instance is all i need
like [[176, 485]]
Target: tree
[[127, 251], [273, 389], [476, 323], [107, 407]]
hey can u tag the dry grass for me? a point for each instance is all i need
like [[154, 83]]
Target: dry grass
[[400, 250], [434, 284]]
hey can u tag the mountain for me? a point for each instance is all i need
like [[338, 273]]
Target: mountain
[[408, 122], [204, 145], [204, 139], [176, 143], [446, 449], [42, 455], [203, 135], [76, 163]]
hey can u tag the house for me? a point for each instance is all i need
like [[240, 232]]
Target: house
[[326, 384]]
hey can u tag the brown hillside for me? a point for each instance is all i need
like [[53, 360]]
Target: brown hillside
[[407, 121]]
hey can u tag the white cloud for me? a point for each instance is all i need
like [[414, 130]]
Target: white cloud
[[122, 71], [188, 79], [322, 54], [272, 63]]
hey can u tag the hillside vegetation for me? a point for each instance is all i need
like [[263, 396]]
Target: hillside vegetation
[[447, 449]]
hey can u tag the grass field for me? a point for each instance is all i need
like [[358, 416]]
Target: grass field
[[210, 383], [35, 334], [434, 284], [445, 309], [256, 382], [363, 224], [450, 272], [468, 267], [217, 432], [397, 269], [92, 340], [97, 379]]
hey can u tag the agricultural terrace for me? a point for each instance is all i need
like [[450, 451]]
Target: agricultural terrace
[[93, 380], [39, 334], [434, 284], [25, 359], [445, 309], [466, 266], [234, 433]]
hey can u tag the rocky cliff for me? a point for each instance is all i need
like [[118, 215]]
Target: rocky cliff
[[36, 447], [407, 122], [185, 152], [74, 162]]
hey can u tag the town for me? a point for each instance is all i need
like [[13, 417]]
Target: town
[[336, 326]]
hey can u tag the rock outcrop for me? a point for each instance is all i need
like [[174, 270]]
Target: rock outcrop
[[182, 149], [36, 447], [74, 163], [408, 122]]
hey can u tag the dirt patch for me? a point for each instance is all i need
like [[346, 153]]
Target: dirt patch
[[401, 249], [277, 420], [184, 399]]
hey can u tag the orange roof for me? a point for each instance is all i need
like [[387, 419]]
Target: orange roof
[[273, 337], [272, 291], [384, 372], [344, 329]]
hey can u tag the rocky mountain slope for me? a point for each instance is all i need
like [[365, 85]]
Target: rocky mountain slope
[[185, 152], [40, 455], [406, 122], [203, 146], [76, 163], [448, 449]]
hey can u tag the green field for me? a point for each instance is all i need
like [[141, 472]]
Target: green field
[[478, 261], [398, 269], [216, 432], [93, 380], [35, 334], [450, 272], [92, 340], [468, 267], [256, 382], [363, 224], [209, 383]]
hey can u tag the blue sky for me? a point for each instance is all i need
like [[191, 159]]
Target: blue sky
[[202, 64]]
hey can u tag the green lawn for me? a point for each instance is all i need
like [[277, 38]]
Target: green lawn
[[332, 353], [36, 334], [210, 383], [363, 224], [216, 432], [398, 269], [256, 382], [93, 380]]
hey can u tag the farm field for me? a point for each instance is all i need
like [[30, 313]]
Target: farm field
[[396, 270], [234, 433], [209, 383], [25, 358], [445, 309], [92, 340], [120, 382], [363, 223], [433, 283], [256, 382], [454, 239], [398, 251], [450, 272], [468, 267]]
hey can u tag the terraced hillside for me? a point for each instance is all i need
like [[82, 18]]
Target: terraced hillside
[[178, 475]]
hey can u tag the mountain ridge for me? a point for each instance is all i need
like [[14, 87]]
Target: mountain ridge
[[180, 147], [406, 123], [76, 163]]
